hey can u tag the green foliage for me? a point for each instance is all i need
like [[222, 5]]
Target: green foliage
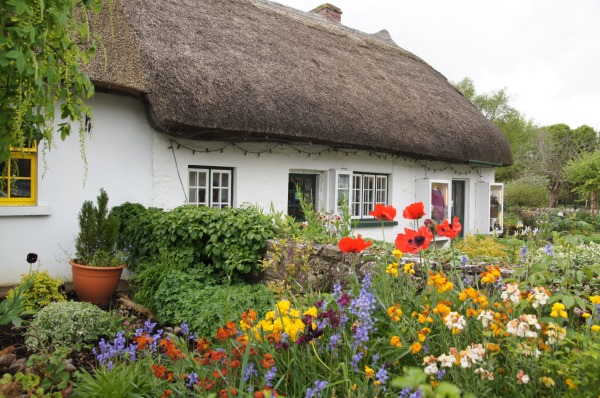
[[96, 244], [527, 191], [584, 173], [122, 381], [67, 324], [46, 375], [181, 298], [12, 308], [43, 45], [43, 291], [228, 240], [482, 247]]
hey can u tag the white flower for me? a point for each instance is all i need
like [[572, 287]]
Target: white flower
[[455, 321], [446, 361], [524, 326], [486, 318], [511, 292], [484, 373], [540, 297]]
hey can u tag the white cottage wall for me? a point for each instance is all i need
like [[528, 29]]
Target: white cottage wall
[[135, 163], [119, 158]]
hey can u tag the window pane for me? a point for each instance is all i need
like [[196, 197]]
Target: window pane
[[356, 195], [216, 179], [381, 196], [225, 180], [202, 196], [215, 195], [193, 179], [22, 168], [202, 179], [368, 195], [21, 189], [193, 195], [3, 188], [225, 195]]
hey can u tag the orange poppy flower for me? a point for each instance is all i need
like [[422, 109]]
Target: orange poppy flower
[[412, 241], [414, 211], [449, 231], [353, 245], [383, 212]]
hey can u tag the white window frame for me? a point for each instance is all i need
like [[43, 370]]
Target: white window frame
[[217, 194], [361, 201]]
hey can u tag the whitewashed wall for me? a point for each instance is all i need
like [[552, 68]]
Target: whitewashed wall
[[135, 163], [119, 157]]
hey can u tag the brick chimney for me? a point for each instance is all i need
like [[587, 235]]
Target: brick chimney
[[329, 11]]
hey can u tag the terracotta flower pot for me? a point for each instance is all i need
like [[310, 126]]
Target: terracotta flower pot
[[95, 284]]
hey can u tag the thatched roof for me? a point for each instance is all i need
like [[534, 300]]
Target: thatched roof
[[253, 70]]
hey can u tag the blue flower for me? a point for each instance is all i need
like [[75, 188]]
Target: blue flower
[[548, 249], [524, 253], [417, 394], [363, 307], [464, 260], [356, 359], [192, 379], [440, 374], [185, 328], [250, 371], [316, 392], [382, 375], [270, 376]]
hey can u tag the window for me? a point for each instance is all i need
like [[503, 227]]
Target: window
[[18, 178], [210, 186], [367, 191]]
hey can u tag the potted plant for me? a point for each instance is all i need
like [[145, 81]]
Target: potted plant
[[98, 264]]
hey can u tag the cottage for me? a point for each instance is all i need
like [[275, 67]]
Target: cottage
[[225, 102]]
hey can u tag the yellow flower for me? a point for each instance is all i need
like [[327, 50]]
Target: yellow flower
[[547, 382], [312, 311], [395, 341], [409, 268], [397, 254], [493, 347], [395, 312], [570, 383], [595, 328], [369, 372], [282, 307], [558, 309], [586, 315], [442, 309], [392, 269], [416, 347], [595, 299], [491, 275], [354, 387]]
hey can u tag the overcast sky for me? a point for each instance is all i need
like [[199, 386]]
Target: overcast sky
[[546, 53]]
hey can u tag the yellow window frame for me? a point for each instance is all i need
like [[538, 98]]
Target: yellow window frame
[[20, 153]]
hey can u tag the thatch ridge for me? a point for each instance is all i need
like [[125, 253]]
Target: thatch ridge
[[253, 70]]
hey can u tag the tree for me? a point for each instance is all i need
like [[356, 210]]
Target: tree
[[43, 45], [516, 128], [584, 173], [549, 152]]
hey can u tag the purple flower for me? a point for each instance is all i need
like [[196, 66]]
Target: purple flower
[[464, 260], [548, 249], [185, 328], [417, 394], [440, 374], [363, 307], [250, 371], [192, 379], [382, 376], [405, 392], [524, 253], [316, 392], [270, 375], [333, 341], [356, 359]]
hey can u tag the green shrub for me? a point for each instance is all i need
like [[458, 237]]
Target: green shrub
[[229, 239], [180, 298], [482, 247], [67, 324], [122, 381], [96, 243], [43, 291], [528, 191]]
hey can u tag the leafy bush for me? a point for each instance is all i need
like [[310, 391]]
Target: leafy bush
[[119, 382], [528, 191], [67, 324], [229, 239], [181, 297], [43, 291], [482, 247]]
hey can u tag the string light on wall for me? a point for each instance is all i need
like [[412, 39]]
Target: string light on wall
[[301, 151]]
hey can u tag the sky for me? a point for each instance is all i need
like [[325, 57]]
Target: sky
[[545, 53]]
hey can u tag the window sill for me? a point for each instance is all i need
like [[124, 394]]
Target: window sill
[[375, 224], [18, 211]]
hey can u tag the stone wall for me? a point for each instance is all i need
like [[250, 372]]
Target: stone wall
[[305, 267]]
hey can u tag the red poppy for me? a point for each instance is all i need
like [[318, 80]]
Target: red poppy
[[414, 211], [412, 241], [353, 245], [385, 212], [447, 230]]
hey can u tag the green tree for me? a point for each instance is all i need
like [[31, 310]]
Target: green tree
[[584, 175], [517, 129], [551, 149], [43, 45]]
